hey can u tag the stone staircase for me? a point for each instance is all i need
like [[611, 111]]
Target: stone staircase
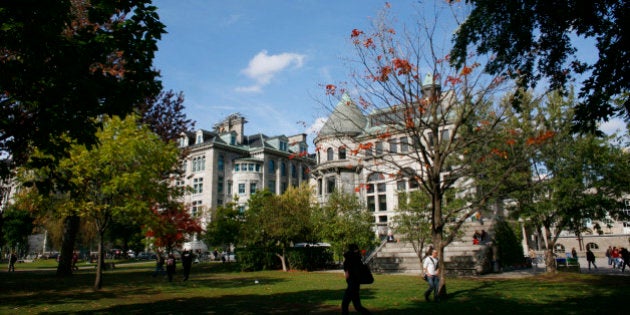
[[461, 257]]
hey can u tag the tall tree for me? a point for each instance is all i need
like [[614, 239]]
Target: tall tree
[[63, 63], [575, 177], [452, 135], [278, 221], [536, 41], [172, 226], [120, 178], [343, 220], [225, 227]]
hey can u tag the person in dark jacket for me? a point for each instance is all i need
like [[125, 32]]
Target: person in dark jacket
[[351, 263], [170, 266], [187, 259], [590, 258]]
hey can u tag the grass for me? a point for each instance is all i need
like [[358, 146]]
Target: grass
[[216, 288]]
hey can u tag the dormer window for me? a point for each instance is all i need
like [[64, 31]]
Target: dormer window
[[233, 139], [283, 146], [199, 139], [182, 142]]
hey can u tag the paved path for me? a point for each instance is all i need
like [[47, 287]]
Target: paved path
[[602, 264]]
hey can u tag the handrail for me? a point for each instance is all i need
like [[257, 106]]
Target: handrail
[[369, 258]]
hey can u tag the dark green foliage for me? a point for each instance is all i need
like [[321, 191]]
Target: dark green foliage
[[18, 225], [534, 41], [510, 248], [309, 258], [257, 258]]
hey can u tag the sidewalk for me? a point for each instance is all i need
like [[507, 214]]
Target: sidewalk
[[602, 269]]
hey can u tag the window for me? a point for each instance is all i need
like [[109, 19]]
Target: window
[[283, 146], [237, 167], [445, 135], [342, 153], [430, 140], [229, 190], [319, 186], [257, 168], [195, 209], [220, 184], [199, 139], [379, 147], [283, 187], [182, 142], [330, 185], [382, 219], [241, 189], [293, 171], [272, 166], [371, 205], [250, 167], [401, 185], [232, 139], [221, 162], [198, 185], [376, 192], [305, 172], [199, 163], [283, 169], [329, 154], [392, 146], [368, 151], [271, 185], [252, 188], [404, 144]]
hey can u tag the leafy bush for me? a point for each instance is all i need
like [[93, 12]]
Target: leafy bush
[[256, 259], [309, 258]]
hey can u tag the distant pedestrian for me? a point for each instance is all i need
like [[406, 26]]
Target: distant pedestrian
[[187, 259], [170, 266], [12, 262], [609, 255], [75, 260], [625, 258], [159, 265], [574, 253], [432, 270], [351, 264], [590, 257]]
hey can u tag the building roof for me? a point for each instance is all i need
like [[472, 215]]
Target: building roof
[[347, 118]]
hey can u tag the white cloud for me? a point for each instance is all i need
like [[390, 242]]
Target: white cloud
[[316, 126], [263, 67], [612, 126]]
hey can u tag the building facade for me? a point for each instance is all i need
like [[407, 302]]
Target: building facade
[[225, 165]]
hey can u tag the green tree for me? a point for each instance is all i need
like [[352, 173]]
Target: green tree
[[413, 221], [276, 222], [575, 177], [342, 221], [19, 222], [120, 179], [64, 63], [534, 41], [225, 227]]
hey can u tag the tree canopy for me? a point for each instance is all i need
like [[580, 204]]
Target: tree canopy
[[532, 40], [63, 63]]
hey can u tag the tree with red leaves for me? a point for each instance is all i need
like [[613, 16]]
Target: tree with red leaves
[[172, 226]]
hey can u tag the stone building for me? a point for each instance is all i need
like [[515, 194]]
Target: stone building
[[225, 165]]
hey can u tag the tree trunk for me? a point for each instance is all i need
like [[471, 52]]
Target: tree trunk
[[283, 260], [550, 260], [100, 262], [70, 229]]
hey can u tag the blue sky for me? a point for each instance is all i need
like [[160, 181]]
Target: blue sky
[[268, 60], [265, 59]]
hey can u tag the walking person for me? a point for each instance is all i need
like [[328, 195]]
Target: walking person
[[12, 262], [159, 264], [609, 255], [75, 260], [170, 266], [625, 258], [432, 270], [590, 257], [187, 259], [351, 264]]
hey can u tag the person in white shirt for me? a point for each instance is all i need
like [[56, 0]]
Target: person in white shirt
[[431, 269]]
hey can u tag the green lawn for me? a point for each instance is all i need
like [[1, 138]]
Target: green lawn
[[216, 288]]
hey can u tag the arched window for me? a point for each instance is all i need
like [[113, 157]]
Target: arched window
[[342, 153], [329, 154], [558, 248]]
